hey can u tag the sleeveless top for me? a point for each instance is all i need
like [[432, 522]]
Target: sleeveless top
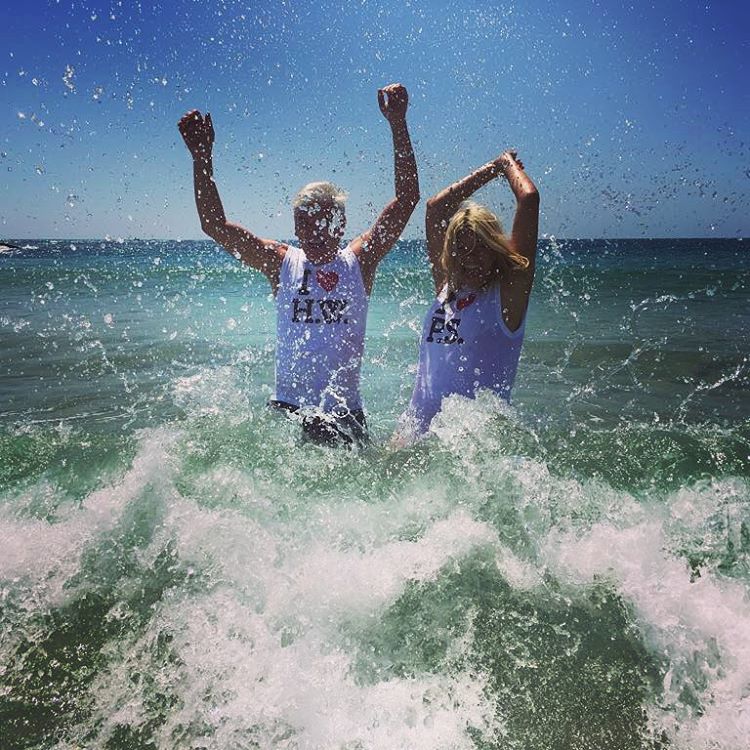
[[321, 311], [465, 345]]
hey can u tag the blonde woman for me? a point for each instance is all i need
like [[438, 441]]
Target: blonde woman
[[474, 329]]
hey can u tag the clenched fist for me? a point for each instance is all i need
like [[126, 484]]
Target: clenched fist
[[198, 133], [393, 101]]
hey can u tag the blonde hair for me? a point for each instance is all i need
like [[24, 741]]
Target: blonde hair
[[320, 194], [486, 228]]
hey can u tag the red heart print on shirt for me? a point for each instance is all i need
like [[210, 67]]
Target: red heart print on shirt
[[327, 279], [465, 301]]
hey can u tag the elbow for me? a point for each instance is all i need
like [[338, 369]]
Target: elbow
[[408, 198], [529, 197], [437, 210], [213, 230], [407, 202]]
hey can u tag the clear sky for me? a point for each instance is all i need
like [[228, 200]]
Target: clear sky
[[633, 119]]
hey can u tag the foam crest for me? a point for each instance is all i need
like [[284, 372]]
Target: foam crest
[[354, 583], [321, 568], [701, 625], [40, 556], [268, 652], [237, 679], [463, 424]]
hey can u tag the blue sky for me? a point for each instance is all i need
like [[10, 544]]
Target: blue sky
[[634, 120]]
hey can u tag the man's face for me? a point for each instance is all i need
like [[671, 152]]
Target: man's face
[[319, 227]]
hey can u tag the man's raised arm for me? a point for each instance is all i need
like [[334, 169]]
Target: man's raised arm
[[264, 255], [375, 243]]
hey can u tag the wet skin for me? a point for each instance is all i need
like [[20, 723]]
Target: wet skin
[[319, 229]]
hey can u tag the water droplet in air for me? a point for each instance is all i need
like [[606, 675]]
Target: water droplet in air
[[68, 77]]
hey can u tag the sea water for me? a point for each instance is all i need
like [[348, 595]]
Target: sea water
[[177, 570]]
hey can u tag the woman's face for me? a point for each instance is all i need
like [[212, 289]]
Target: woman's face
[[474, 264]]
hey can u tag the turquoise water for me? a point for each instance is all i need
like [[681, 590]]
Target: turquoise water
[[178, 571]]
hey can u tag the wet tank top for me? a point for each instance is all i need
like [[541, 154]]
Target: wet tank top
[[321, 311], [465, 345]]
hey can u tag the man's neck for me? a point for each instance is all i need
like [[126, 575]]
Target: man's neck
[[321, 256]]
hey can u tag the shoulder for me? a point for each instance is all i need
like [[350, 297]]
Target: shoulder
[[352, 254], [281, 248], [359, 245], [289, 253], [291, 261]]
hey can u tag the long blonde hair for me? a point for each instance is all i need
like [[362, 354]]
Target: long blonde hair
[[486, 228]]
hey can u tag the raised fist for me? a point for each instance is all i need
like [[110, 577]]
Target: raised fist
[[393, 101], [198, 133]]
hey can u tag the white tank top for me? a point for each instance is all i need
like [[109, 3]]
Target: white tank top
[[321, 313], [465, 345]]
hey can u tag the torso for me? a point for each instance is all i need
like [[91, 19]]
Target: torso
[[321, 313], [465, 345]]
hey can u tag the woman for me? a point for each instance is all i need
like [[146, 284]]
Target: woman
[[473, 331]]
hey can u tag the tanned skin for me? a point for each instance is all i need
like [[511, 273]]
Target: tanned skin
[[319, 230], [478, 267]]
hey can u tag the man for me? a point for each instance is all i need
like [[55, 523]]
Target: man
[[321, 289]]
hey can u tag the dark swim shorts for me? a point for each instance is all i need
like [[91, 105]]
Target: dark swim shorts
[[340, 427]]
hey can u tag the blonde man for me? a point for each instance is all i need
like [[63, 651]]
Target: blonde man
[[321, 288]]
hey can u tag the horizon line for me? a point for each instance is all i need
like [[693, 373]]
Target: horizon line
[[120, 240]]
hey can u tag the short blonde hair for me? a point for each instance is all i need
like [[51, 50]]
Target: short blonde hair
[[320, 194], [487, 228]]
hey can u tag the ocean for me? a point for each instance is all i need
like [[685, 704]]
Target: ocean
[[177, 570]]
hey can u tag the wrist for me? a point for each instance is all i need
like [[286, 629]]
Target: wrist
[[496, 167], [202, 155], [503, 165]]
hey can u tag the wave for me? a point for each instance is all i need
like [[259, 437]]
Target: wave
[[227, 586]]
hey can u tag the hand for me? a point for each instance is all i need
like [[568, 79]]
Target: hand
[[393, 101], [198, 133], [507, 159]]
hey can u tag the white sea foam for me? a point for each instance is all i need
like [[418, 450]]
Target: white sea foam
[[701, 626], [586, 531], [261, 641], [264, 653], [40, 557], [213, 392]]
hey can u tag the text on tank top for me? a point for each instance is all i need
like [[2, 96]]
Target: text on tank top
[[321, 312]]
